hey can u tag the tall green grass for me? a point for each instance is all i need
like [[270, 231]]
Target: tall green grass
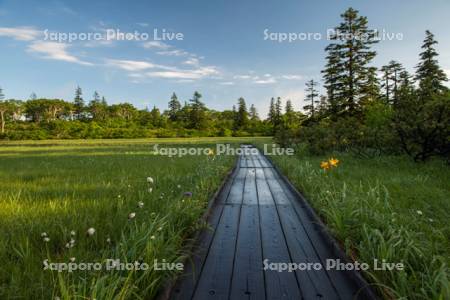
[[68, 187], [385, 208]]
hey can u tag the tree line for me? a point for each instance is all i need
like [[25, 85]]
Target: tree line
[[38, 118], [371, 114]]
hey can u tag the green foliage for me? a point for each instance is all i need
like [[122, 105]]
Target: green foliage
[[384, 207], [59, 119]]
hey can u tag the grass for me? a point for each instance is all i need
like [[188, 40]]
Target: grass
[[385, 208], [61, 186]]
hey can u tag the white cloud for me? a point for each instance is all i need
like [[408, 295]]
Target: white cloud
[[56, 51], [20, 33], [130, 65], [227, 83], [198, 73], [192, 61], [175, 52], [241, 76], [292, 77], [265, 81], [155, 45]]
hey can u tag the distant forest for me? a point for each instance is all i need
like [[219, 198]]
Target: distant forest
[[364, 109]]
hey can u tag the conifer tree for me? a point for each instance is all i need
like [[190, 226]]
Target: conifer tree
[[78, 102], [311, 98], [390, 80], [429, 74], [253, 114], [174, 107], [242, 114], [197, 116], [272, 111], [348, 61]]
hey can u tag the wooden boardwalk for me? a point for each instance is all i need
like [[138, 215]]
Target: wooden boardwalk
[[258, 216]]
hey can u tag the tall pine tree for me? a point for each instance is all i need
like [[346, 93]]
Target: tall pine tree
[[174, 107], [311, 98], [78, 102], [347, 71]]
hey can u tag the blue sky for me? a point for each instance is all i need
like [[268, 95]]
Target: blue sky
[[223, 53]]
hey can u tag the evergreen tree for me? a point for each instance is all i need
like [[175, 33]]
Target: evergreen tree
[[253, 113], [96, 97], [390, 80], [311, 98], [242, 114], [33, 96], [278, 111], [197, 117], [422, 115], [370, 91], [272, 112], [174, 107], [429, 74], [332, 79], [348, 58], [289, 109], [78, 102]]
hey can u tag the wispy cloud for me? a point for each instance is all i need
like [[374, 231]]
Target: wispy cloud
[[227, 83], [175, 52], [55, 51], [155, 45], [130, 65], [268, 80], [193, 61], [145, 69], [198, 73], [242, 76], [21, 33], [292, 77]]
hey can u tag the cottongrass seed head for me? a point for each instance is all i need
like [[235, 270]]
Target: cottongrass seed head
[[131, 215], [90, 231]]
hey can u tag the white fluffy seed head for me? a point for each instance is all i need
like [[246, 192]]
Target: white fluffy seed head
[[150, 180], [131, 215], [72, 259], [140, 204], [44, 234], [72, 233], [46, 239], [90, 231]]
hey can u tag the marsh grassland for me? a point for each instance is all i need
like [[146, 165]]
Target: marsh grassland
[[384, 207], [86, 201]]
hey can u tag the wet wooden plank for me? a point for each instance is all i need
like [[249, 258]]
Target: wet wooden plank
[[313, 283], [344, 286], [185, 286], [248, 276], [237, 189], [250, 193], [279, 285], [215, 280], [275, 187], [264, 194]]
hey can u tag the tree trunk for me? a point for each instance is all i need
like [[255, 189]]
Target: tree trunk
[[2, 116]]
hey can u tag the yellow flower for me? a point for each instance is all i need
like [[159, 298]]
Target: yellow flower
[[333, 162], [325, 165], [210, 152]]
